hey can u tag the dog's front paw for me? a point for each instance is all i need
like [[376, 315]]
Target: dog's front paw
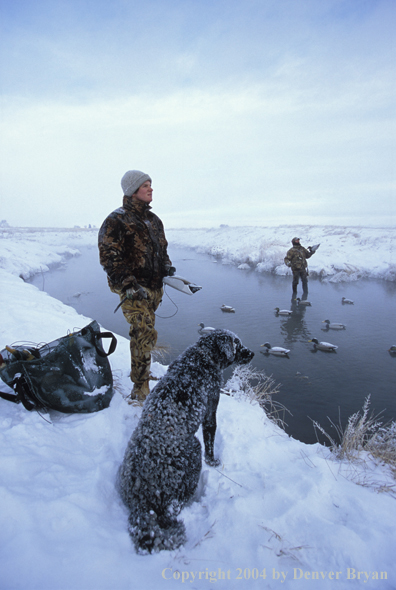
[[212, 461]]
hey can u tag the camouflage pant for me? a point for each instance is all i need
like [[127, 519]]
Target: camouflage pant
[[297, 273], [143, 336]]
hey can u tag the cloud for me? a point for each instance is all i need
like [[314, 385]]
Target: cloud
[[241, 112]]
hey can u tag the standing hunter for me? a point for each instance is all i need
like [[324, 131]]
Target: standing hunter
[[296, 259], [133, 253]]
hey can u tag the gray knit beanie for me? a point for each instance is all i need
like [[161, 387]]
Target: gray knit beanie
[[132, 180]]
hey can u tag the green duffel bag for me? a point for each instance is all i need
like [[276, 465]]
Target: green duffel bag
[[71, 374]]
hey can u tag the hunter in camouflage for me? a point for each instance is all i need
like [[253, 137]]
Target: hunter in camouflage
[[133, 253], [296, 259]]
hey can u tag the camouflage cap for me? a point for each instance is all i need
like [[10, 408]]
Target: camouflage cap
[[295, 240]]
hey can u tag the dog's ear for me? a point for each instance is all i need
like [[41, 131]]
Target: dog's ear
[[227, 347]]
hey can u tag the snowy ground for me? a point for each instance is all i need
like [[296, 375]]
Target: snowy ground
[[275, 514]]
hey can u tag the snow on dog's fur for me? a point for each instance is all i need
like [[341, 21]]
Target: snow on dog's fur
[[162, 463]]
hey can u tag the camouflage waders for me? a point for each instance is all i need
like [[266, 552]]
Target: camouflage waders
[[304, 279], [140, 315]]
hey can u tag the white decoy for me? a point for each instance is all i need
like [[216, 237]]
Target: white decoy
[[203, 330], [333, 326], [323, 345], [276, 350], [227, 308], [303, 302], [345, 300], [282, 311]]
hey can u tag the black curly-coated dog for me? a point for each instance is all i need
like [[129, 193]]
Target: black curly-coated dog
[[163, 460]]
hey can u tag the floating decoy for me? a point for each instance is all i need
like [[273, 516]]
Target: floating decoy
[[345, 300], [276, 350], [304, 302], [282, 311], [227, 308], [392, 349], [203, 330], [323, 345], [333, 326]]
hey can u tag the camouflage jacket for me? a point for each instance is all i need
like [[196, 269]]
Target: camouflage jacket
[[133, 247], [296, 258]]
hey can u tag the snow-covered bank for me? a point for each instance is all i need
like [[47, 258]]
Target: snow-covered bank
[[345, 254], [276, 513], [27, 251]]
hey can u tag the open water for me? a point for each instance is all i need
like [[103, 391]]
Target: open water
[[315, 385]]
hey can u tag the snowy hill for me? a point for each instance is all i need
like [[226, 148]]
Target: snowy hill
[[275, 514]]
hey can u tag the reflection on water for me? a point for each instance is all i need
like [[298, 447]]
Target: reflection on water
[[315, 384], [294, 328]]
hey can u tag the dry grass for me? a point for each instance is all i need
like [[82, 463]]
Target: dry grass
[[280, 546], [364, 432], [160, 352], [256, 385]]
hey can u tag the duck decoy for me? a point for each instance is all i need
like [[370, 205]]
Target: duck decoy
[[334, 325], [392, 349], [207, 330], [323, 345], [304, 302], [282, 311], [227, 308], [276, 350], [345, 300]]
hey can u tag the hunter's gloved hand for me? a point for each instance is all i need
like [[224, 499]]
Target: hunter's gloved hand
[[136, 293], [169, 270]]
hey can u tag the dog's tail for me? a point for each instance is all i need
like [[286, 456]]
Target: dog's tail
[[151, 533]]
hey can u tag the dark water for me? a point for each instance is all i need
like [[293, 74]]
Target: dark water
[[315, 385]]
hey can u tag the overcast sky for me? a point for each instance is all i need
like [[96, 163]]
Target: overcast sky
[[243, 112]]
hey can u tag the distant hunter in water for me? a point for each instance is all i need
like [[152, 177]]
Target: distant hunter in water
[[296, 259]]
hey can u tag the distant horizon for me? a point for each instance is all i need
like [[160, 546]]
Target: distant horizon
[[209, 227]]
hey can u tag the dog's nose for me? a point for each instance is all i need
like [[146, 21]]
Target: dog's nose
[[247, 354]]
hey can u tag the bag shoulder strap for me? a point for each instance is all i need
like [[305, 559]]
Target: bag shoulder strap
[[24, 394], [97, 336], [113, 343]]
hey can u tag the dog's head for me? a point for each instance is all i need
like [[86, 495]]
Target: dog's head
[[226, 348]]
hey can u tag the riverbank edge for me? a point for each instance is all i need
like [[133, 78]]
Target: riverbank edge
[[346, 254]]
